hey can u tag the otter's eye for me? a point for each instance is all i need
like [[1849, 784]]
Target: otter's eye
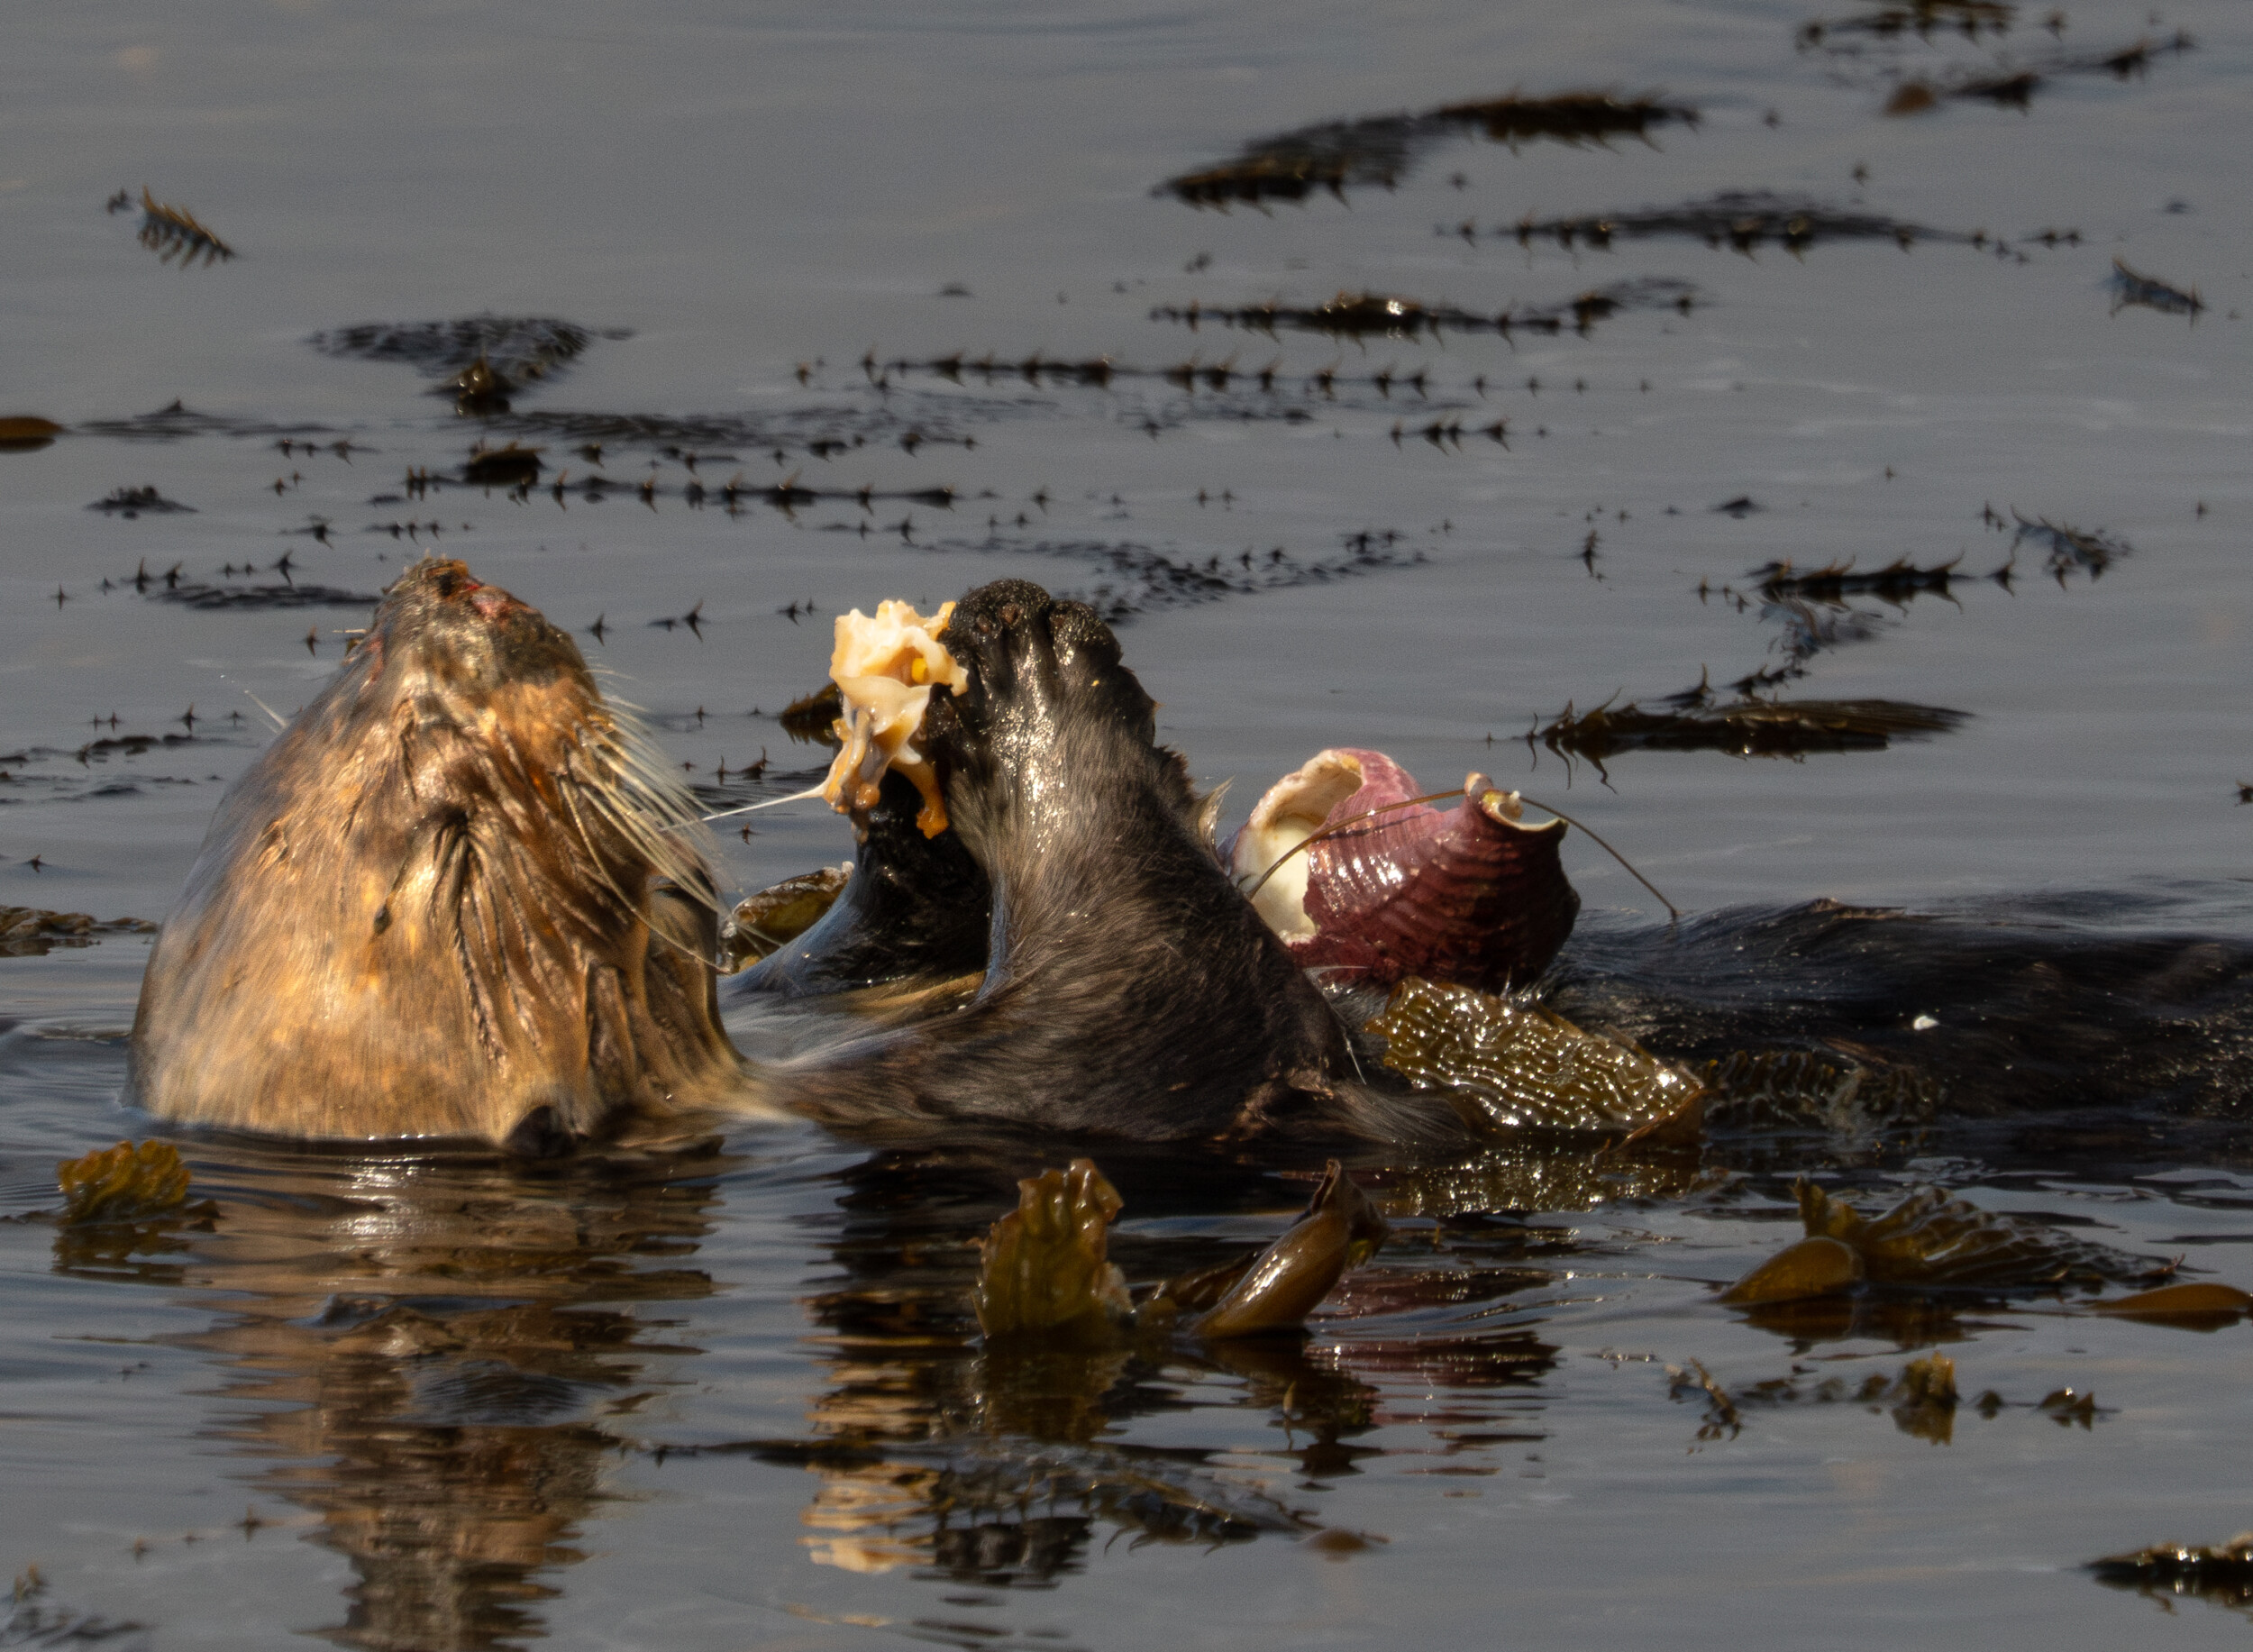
[[448, 584]]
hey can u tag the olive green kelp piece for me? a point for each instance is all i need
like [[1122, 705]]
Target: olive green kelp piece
[[1527, 1069], [123, 1184], [1280, 1287], [1928, 1239], [1044, 1272]]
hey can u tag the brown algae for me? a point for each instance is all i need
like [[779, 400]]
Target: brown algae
[[124, 1183], [1520, 1069], [172, 232], [1928, 1239], [1382, 148]]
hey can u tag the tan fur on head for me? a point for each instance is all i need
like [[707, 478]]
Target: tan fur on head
[[459, 896]]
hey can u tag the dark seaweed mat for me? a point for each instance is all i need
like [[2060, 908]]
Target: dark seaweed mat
[[517, 348]]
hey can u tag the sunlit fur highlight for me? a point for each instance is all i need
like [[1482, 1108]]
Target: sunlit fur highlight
[[459, 896]]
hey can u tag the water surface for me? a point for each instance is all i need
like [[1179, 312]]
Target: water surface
[[757, 203]]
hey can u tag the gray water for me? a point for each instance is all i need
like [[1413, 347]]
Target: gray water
[[1488, 1407]]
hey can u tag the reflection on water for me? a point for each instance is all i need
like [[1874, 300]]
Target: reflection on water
[[421, 1347]]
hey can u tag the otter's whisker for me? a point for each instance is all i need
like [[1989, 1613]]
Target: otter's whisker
[[279, 721], [1673, 911], [795, 797], [1332, 831]]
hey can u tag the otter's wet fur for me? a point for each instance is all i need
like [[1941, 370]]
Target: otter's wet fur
[[459, 896], [1129, 989]]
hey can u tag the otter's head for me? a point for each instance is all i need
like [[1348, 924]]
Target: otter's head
[[459, 896]]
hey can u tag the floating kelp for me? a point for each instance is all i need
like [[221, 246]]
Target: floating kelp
[[1747, 727], [1276, 1290], [2130, 287], [2013, 85], [1131, 577], [132, 502], [1922, 1398], [1045, 1273], [1526, 1068], [1745, 220], [23, 434], [1785, 1089], [812, 718], [29, 932], [172, 232], [2222, 1576], [1382, 148], [778, 915], [512, 466], [2071, 549], [1929, 1240], [1897, 582], [482, 359], [1918, 17], [2200, 1306], [124, 1183], [259, 598], [1366, 882], [1043, 1270], [823, 433], [1360, 315]]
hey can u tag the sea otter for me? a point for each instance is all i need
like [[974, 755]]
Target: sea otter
[[459, 897]]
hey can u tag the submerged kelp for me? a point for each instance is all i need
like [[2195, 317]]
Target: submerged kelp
[[1925, 1241], [1918, 17], [2130, 287], [1743, 219], [1382, 148], [1848, 1100], [172, 232], [2070, 550], [2012, 86], [1922, 1398], [131, 503], [483, 359], [32, 932], [1526, 1068], [1746, 727]]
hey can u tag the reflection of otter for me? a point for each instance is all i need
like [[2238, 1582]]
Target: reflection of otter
[[420, 1343], [459, 897], [451, 900]]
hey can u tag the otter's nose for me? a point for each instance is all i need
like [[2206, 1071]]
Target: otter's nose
[[494, 603]]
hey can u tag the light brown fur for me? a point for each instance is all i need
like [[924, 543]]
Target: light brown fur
[[454, 897]]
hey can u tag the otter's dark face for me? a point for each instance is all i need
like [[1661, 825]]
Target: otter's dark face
[[459, 896]]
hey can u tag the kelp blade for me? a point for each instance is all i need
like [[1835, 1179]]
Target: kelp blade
[[1527, 1069], [1341, 1229], [1930, 1239], [1044, 1268], [123, 1184]]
